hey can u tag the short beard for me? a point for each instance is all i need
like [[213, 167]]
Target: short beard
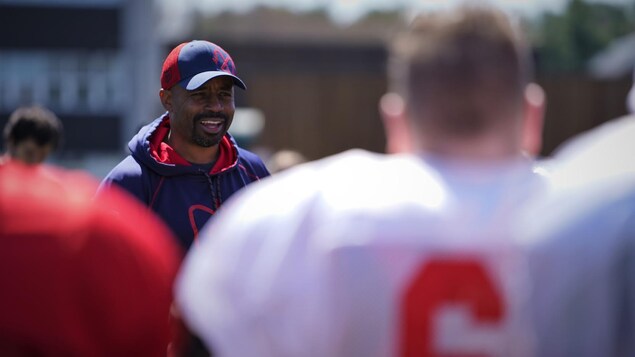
[[206, 141]]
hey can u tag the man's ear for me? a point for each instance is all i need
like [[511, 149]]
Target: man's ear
[[533, 119], [393, 114], [166, 99]]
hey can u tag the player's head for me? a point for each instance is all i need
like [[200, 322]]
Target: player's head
[[31, 134], [197, 89], [459, 75], [80, 275]]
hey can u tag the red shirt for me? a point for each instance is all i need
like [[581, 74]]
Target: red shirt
[[77, 277]]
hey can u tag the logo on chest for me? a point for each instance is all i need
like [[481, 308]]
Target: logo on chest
[[199, 215]]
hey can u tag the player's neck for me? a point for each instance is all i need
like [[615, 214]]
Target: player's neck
[[484, 148]]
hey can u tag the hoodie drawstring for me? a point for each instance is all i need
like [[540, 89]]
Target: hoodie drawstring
[[214, 188]]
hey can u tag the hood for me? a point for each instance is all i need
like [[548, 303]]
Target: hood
[[148, 147]]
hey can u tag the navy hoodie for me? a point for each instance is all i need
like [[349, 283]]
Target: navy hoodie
[[183, 195]]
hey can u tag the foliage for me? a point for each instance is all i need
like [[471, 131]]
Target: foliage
[[565, 42]]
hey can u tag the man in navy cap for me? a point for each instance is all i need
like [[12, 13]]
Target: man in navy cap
[[184, 164]]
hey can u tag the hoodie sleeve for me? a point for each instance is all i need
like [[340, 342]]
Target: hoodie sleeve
[[253, 164]]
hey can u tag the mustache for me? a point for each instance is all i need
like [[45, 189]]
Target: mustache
[[210, 115]]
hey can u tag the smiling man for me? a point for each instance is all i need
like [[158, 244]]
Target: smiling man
[[184, 164]]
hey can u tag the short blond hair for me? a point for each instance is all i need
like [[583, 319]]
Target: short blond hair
[[461, 71]]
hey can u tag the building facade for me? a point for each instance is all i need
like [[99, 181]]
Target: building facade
[[93, 62]]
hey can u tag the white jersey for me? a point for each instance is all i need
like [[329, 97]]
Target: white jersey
[[364, 254], [582, 247]]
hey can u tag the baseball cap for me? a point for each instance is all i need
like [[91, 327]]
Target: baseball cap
[[193, 63]]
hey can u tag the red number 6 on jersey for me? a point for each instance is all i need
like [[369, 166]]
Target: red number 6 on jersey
[[441, 282]]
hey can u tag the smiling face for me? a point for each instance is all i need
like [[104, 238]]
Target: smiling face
[[200, 117]]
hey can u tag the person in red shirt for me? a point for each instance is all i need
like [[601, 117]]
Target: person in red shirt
[[79, 278]]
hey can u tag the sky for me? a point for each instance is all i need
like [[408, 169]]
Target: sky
[[347, 11]]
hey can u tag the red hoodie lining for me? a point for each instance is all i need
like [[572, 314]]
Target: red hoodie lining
[[165, 154]]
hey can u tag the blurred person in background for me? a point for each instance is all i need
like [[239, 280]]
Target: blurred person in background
[[80, 276], [184, 164], [364, 254], [609, 147], [585, 244], [32, 134], [285, 159]]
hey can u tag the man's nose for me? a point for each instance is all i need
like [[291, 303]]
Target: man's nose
[[213, 103]]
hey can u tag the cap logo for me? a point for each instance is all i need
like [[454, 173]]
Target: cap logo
[[223, 61]]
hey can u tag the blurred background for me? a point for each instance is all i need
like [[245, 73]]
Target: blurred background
[[315, 69]]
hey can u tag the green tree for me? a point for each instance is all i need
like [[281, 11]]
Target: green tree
[[565, 42]]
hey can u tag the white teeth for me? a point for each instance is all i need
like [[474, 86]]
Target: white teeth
[[213, 122]]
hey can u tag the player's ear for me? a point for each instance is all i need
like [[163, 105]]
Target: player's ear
[[166, 99], [393, 114], [533, 119]]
